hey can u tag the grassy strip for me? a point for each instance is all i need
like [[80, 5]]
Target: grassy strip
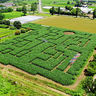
[[6, 32], [14, 89], [31, 85], [46, 83], [13, 14]]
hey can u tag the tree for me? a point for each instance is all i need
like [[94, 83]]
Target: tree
[[33, 7], [10, 9], [68, 8], [68, 2], [17, 24], [6, 22], [94, 13], [78, 4], [58, 10], [52, 11], [77, 11], [2, 16], [89, 85], [24, 10]]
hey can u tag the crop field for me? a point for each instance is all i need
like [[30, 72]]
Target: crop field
[[45, 2], [47, 51], [11, 15], [80, 24], [5, 32]]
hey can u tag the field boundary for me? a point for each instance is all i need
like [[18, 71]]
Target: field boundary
[[72, 87]]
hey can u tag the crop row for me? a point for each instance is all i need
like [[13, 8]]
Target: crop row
[[30, 53], [48, 64]]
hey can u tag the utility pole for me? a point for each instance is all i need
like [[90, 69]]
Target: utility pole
[[40, 6]]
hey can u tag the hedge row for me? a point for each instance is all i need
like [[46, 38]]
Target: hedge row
[[50, 51], [64, 64], [48, 64], [29, 53]]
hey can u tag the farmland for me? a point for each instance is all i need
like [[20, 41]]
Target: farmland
[[11, 15], [5, 32], [50, 59], [68, 22]]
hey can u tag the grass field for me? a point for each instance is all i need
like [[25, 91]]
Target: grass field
[[47, 2], [5, 32], [9, 88], [50, 59], [13, 14], [80, 24]]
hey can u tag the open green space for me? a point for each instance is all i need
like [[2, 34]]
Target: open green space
[[45, 2], [11, 88], [50, 59], [5, 32], [13, 14], [80, 24]]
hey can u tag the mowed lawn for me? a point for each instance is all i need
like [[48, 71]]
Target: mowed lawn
[[13, 14], [80, 24], [5, 32]]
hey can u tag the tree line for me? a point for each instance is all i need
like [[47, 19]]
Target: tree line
[[70, 11], [2, 1]]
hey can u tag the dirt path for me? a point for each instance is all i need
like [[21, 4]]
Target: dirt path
[[25, 79], [82, 76], [6, 36]]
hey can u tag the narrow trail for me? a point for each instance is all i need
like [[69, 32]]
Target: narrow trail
[[5, 69], [72, 87], [6, 36]]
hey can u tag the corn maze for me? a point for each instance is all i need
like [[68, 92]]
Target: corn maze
[[50, 59]]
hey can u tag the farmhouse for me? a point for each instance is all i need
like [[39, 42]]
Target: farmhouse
[[7, 4]]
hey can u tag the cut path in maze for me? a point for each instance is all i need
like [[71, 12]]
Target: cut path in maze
[[49, 59]]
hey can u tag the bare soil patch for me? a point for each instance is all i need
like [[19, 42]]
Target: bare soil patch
[[69, 33]]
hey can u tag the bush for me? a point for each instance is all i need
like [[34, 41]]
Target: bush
[[4, 26], [17, 32], [1, 22], [12, 27], [1, 16], [28, 29], [19, 9], [17, 24], [6, 22], [9, 9], [23, 30]]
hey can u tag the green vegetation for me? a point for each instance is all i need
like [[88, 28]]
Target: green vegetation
[[18, 50], [11, 15], [92, 66], [94, 13], [37, 81], [24, 10], [4, 32], [17, 24], [12, 88], [33, 7], [2, 1], [2, 16], [89, 85], [69, 22]]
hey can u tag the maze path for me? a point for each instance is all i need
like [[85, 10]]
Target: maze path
[[50, 59]]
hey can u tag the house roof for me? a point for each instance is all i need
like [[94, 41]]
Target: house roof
[[7, 4]]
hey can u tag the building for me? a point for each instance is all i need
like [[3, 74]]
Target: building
[[7, 4]]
